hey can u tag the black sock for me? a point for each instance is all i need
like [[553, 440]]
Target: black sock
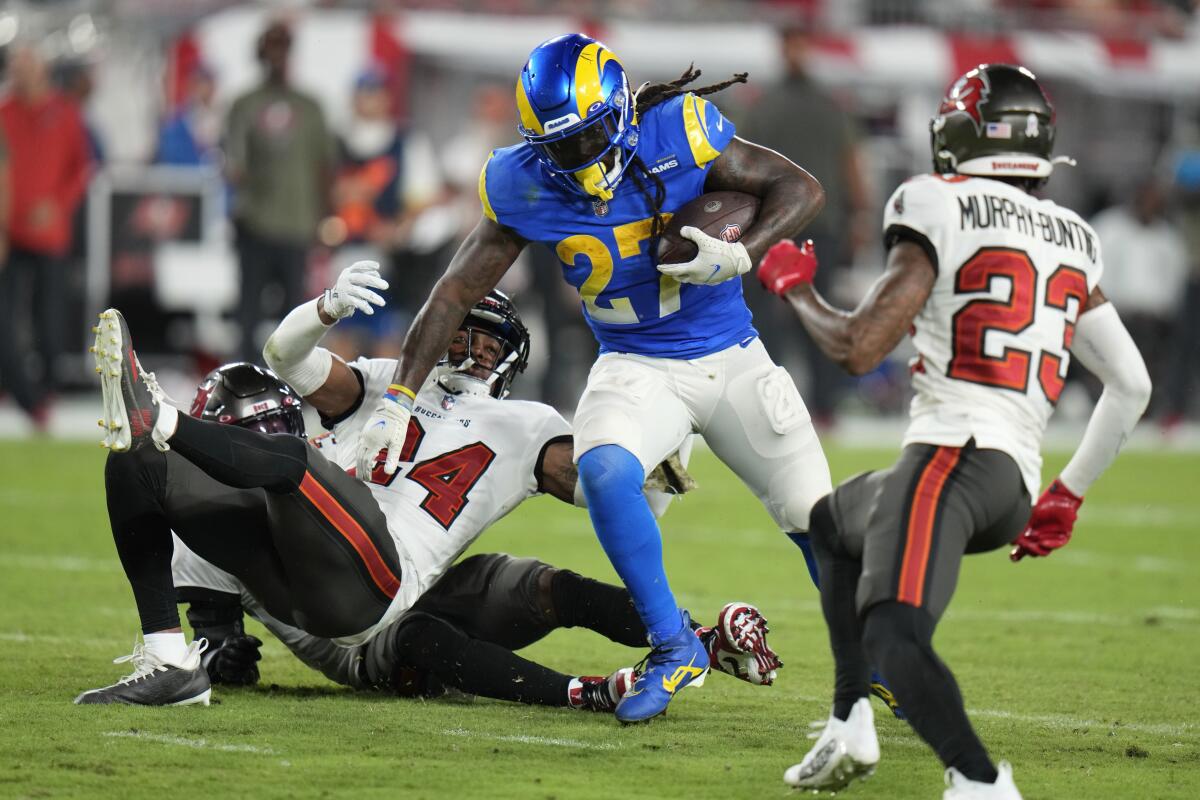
[[606, 609], [899, 638], [241, 458], [474, 666], [839, 583], [133, 485]]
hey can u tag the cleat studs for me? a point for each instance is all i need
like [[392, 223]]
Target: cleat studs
[[102, 423], [95, 329], [115, 374], [99, 371]]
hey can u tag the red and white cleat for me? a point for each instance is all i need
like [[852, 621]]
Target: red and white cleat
[[737, 645]]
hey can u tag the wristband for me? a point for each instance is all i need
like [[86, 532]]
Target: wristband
[[400, 394]]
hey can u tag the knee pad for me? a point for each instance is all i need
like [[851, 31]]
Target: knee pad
[[609, 473]]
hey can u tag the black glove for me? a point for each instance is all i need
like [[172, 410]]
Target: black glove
[[233, 661]]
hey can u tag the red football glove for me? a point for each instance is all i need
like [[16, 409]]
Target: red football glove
[[1050, 523], [786, 265]]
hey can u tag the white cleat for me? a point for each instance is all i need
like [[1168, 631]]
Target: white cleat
[[959, 787], [131, 396], [845, 750]]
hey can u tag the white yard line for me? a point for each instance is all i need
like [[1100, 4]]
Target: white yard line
[[198, 744], [1056, 721], [58, 563], [540, 740]]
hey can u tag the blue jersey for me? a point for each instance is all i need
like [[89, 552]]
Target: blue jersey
[[604, 247]]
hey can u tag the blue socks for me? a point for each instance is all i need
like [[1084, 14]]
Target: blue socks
[[801, 541], [612, 479]]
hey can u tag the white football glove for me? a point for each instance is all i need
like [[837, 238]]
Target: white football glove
[[352, 291], [387, 428], [717, 261]]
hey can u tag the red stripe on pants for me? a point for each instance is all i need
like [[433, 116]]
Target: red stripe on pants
[[921, 520], [332, 510]]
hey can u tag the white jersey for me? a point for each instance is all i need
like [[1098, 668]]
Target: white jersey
[[468, 461], [1013, 274]]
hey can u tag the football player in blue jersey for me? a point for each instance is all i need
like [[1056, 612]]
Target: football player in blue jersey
[[601, 170]]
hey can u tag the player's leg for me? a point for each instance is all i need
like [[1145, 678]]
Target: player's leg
[[137, 485], [514, 602], [848, 746], [422, 654], [961, 500], [628, 420], [757, 424], [331, 539]]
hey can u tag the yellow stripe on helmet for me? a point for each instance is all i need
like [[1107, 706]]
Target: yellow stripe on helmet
[[483, 196], [588, 69], [694, 109], [529, 120]]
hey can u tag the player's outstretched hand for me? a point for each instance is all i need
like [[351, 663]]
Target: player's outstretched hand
[[386, 430], [1050, 523], [786, 265], [352, 291], [234, 661], [716, 262]]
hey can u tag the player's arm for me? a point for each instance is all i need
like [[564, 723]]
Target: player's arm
[[557, 476], [482, 259], [1103, 346], [856, 340], [790, 198], [293, 351]]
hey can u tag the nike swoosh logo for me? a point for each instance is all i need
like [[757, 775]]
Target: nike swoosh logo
[[716, 269]]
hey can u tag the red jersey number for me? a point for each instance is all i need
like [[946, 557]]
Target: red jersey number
[[449, 477], [1010, 370]]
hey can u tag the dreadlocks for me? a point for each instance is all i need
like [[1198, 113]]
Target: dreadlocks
[[648, 96]]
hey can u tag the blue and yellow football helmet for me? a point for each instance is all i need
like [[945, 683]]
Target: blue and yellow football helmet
[[577, 113]]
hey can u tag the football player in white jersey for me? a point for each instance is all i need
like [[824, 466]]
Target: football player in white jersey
[[321, 550], [461, 634], [998, 289]]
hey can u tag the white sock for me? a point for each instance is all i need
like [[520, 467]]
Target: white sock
[[164, 426], [169, 647]]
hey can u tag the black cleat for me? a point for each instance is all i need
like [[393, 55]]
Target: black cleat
[[155, 682]]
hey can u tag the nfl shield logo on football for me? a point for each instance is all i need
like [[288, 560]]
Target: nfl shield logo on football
[[731, 233], [600, 207], [448, 401]]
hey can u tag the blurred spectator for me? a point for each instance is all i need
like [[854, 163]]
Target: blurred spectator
[[191, 135], [801, 120], [386, 179], [1185, 366], [1145, 272], [48, 167], [279, 158]]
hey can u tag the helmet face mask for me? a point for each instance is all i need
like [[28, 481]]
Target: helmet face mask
[[995, 121], [250, 397], [491, 348], [577, 113]]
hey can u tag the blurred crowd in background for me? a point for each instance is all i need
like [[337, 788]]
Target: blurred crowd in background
[[207, 171]]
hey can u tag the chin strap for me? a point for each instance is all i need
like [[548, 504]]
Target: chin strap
[[1070, 162]]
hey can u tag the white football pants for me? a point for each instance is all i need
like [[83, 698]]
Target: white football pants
[[746, 407]]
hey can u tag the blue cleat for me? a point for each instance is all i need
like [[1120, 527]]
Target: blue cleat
[[880, 689], [673, 664]]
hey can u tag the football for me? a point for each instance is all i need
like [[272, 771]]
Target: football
[[725, 215]]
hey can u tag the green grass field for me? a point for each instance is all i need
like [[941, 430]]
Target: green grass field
[[1080, 669]]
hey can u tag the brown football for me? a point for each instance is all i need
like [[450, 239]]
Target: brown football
[[725, 215]]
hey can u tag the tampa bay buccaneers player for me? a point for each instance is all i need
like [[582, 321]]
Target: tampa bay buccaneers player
[[461, 633], [998, 288], [322, 551]]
